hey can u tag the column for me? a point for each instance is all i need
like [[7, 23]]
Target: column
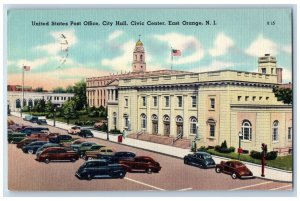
[[160, 115], [149, 121], [186, 118], [173, 132]]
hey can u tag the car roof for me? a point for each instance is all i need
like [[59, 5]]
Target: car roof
[[96, 160], [144, 157], [202, 153]]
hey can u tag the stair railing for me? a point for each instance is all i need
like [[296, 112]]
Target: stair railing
[[139, 133]]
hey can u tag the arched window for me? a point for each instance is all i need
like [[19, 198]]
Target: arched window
[[275, 133], [154, 117], [193, 125], [115, 119], [126, 120], [18, 103], [154, 124], [135, 57], [30, 104], [141, 57], [246, 130], [166, 118], [143, 121], [179, 119]]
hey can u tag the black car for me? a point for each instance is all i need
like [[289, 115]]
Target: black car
[[117, 156], [41, 122], [60, 139], [33, 147], [29, 130], [85, 133], [34, 119], [100, 169], [201, 159]]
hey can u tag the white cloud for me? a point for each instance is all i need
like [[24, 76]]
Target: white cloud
[[59, 42], [32, 63], [221, 45], [115, 35], [183, 43], [286, 75], [214, 66], [262, 46], [287, 49]]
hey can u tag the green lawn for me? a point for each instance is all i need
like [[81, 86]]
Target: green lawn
[[281, 162], [84, 118]]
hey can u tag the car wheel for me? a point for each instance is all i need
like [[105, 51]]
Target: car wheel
[[186, 161], [85, 158], [90, 158], [218, 170], [73, 160], [31, 151], [121, 175], [234, 175], [89, 177], [47, 160], [81, 155], [149, 170]]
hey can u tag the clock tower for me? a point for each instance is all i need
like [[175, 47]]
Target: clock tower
[[139, 64]]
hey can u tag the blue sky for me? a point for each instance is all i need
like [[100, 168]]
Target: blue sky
[[240, 36]]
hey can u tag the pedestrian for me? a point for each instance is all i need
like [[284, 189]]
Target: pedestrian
[[124, 134]]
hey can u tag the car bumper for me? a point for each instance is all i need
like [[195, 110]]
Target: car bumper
[[211, 166], [78, 175], [247, 176]]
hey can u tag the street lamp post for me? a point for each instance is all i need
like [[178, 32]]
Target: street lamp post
[[239, 150], [54, 111], [107, 137]]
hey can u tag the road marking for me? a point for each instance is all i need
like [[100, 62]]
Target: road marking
[[185, 189], [139, 182], [274, 189], [243, 187]]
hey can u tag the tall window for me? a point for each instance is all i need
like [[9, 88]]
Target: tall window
[[115, 119], [155, 101], [141, 57], [126, 121], [275, 134], [212, 103], [167, 101], [126, 102], [179, 101], [18, 103], [246, 130], [263, 70], [144, 100], [194, 101], [290, 133], [143, 121], [212, 127], [193, 125]]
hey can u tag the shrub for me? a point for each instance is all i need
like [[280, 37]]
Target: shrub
[[231, 149], [113, 131], [224, 145], [255, 154], [272, 155], [217, 147], [223, 148], [202, 149]]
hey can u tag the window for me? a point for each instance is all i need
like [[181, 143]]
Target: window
[[212, 127], [126, 120], [290, 133], [144, 101], [193, 126], [126, 102], [253, 98], [246, 98], [135, 58], [272, 70], [212, 103], [167, 101], [143, 121], [267, 98], [115, 119], [275, 133], [263, 70], [194, 101], [239, 98], [18, 103], [141, 57], [246, 130], [260, 97], [155, 101], [179, 101]]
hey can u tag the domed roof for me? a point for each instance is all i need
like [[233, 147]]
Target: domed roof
[[139, 43]]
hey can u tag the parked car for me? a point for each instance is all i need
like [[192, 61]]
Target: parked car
[[42, 122], [85, 133], [29, 130], [33, 147], [117, 156], [96, 152], [39, 136], [17, 127], [25, 142], [100, 169], [81, 148], [235, 168], [74, 130], [27, 117], [141, 163], [57, 154], [45, 146], [201, 159], [34, 119], [16, 137], [60, 139]]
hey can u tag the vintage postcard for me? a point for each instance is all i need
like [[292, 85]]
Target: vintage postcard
[[161, 100]]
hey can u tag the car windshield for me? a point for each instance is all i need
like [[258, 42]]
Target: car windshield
[[206, 156]]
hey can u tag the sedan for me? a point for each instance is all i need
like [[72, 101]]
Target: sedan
[[235, 168], [33, 147], [201, 159]]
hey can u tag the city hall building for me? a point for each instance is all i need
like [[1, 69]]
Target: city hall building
[[207, 107]]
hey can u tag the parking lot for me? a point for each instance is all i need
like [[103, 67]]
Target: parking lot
[[26, 174]]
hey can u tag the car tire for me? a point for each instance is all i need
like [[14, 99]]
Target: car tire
[[234, 175], [121, 175], [149, 170], [30, 151], [47, 160], [73, 160], [218, 170], [90, 158], [186, 162], [89, 177]]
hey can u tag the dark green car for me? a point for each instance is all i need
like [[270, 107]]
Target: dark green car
[[16, 137]]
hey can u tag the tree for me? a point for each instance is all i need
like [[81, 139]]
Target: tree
[[69, 89], [49, 107], [69, 110], [80, 95], [40, 106], [59, 90], [284, 94], [39, 89]]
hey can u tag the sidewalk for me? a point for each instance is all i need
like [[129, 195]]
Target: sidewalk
[[271, 173]]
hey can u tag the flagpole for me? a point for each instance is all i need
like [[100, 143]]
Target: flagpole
[[22, 104], [171, 58]]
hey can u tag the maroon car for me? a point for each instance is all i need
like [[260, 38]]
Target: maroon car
[[57, 154], [141, 163], [235, 168]]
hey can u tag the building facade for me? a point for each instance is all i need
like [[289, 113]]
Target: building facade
[[31, 98], [208, 107]]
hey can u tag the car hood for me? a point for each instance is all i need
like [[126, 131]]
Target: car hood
[[244, 171], [210, 161]]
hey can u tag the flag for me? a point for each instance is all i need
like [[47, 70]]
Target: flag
[[176, 52], [26, 68]]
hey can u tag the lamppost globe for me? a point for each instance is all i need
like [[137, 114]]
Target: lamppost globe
[[240, 134]]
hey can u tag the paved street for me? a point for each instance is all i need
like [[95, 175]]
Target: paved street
[[24, 173]]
